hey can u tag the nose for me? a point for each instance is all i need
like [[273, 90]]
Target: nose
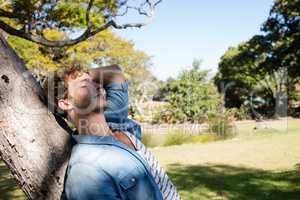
[[103, 91]]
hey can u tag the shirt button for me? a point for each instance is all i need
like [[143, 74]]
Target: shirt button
[[132, 180]]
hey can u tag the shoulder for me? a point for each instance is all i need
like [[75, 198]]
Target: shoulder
[[109, 158]]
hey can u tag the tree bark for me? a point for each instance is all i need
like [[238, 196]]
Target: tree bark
[[34, 147]]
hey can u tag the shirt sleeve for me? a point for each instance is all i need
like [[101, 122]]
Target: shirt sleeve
[[117, 101], [87, 182]]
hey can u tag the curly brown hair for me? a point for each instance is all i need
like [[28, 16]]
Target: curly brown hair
[[56, 86]]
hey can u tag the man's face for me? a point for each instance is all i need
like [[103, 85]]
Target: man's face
[[84, 94]]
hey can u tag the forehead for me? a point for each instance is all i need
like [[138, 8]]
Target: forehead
[[73, 75]]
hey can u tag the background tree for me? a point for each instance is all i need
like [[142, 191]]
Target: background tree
[[103, 49], [29, 19], [264, 58], [32, 144], [191, 97]]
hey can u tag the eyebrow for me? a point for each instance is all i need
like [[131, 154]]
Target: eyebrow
[[86, 79]]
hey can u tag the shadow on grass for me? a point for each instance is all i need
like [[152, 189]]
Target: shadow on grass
[[234, 183], [208, 182], [8, 188]]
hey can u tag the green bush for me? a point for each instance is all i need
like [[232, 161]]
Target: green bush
[[241, 113], [190, 96], [204, 138], [148, 140], [152, 140], [176, 137], [222, 126], [169, 114]]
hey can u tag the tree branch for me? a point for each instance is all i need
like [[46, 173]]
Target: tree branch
[[7, 14], [89, 31], [43, 41], [87, 15]]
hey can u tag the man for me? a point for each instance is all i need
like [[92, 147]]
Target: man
[[103, 164], [116, 115]]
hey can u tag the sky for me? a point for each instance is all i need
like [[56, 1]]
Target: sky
[[196, 29]]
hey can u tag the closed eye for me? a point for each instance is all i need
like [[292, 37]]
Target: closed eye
[[85, 80]]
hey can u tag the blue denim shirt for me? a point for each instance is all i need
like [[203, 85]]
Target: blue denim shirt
[[102, 168], [116, 113]]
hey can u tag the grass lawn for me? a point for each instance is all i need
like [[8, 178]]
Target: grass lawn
[[259, 164], [212, 182], [8, 188]]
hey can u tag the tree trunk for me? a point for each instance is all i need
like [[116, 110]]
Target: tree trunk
[[32, 144]]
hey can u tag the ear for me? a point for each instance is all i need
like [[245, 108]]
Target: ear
[[65, 104]]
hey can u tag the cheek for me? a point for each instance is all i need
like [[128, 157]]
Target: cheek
[[82, 97]]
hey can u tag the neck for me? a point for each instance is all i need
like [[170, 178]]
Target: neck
[[92, 124]]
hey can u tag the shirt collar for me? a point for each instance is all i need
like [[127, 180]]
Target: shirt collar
[[106, 140], [99, 140], [93, 139]]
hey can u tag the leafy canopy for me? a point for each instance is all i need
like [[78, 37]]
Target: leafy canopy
[[29, 19], [264, 58]]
